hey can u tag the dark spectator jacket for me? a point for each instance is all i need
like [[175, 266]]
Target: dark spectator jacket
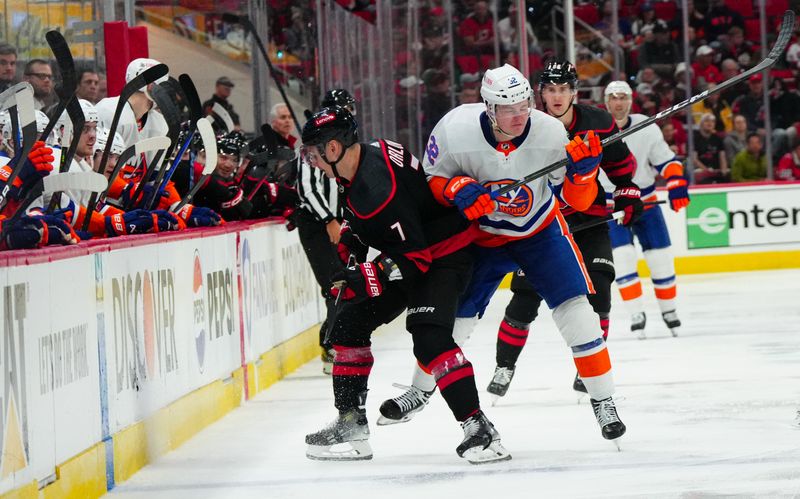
[[719, 20]]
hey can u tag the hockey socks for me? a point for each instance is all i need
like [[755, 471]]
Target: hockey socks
[[511, 338], [351, 368], [594, 368], [456, 380]]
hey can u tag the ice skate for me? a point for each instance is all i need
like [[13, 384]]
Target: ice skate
[[672, 322], [402, 408], [345, 439], [610, 425], [500, 382], [327, 357], [638, 321], [481, 442]]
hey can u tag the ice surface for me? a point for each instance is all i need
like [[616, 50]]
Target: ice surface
[[709, 414]]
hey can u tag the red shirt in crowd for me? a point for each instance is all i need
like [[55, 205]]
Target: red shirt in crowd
[[709, 73], [788, 167]]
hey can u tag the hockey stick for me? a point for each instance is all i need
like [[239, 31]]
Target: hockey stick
[[614, 216], [76, 116], [248, 26], [66, 66], [268, 136], [787, 27], [23, 102], [219, 111], [337, 305], [54, 184], [206, 131], [196, 113], [145, 78], [152, 144]]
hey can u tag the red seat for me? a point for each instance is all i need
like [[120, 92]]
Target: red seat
[[776, 7], [587, 13], [752, 30], [743, 7], [665, 10]]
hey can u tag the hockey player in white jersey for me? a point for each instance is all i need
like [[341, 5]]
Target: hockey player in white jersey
[[653, 157], [139, 119], [472, 152]]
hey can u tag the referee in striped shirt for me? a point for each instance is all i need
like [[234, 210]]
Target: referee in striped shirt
[[319, 221]]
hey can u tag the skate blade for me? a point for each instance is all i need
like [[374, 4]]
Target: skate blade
[[495, 399], [384, 421], [356, 450], [494, 453], [674, 331], [640, 335], [617, 441]]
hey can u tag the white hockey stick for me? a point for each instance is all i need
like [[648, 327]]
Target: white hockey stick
[[206, 132], [787, 28], [53, 184], [224, 115]]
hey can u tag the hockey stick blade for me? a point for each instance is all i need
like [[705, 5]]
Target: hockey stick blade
[[52, 184], [152, 144], [27, 120], [787, 27], [66, 66], [8, 97], [224, 115], [206, 131]]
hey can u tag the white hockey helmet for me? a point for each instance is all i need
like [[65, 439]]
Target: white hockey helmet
[[5, 129], [504, 86], [618, 87], [63, 128], [117, 145], [139, 66]]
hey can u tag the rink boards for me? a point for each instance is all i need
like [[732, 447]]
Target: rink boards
[[116, 352]]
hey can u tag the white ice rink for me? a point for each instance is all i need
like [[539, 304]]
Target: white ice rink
[[709, 414]]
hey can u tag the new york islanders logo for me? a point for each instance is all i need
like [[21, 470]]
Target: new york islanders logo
[[516, 202]]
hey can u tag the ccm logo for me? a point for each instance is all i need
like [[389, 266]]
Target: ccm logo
[[325, 118]]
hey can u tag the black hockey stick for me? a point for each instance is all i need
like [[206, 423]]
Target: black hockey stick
[[195, 112], [787, 27], [75, 113], [600, 221], [66, 66], [206, 131], [337, 305], [268, 136], [248, 26], [147, 77], [22, 103]]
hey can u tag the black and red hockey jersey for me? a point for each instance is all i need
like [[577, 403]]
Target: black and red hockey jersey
[[390, 207]]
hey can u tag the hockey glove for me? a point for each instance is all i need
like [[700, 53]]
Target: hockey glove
[[36, 231], [350, 244], [140, 222], [628, 199], [38, 165], [281, 196], [471, 198], [678, 192], [359, 282], [197, 216], [147, 193], [583, 158]]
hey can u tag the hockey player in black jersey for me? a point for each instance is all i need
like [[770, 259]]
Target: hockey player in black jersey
[[558, 90], [389, 207]]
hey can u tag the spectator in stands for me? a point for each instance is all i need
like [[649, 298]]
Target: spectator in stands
[[470, 80], [507, 33], [434, 52], [222, 90], [8, 66], [88, 85], [788, 168], [665, 92], [792, 55], [647, 76], [661, 54], [40, 75], [784, 116], [697, 20], [708, 158], [645, 20], [751, 104], [736, 139], [280, 119], [300, 41], [102, 87], [704, 68], [437, 99], [477, 32], [715, 105], [683, 90], [469, 95], [729, 69], [750, 165], [720, 19], [646, 99], [670, 137], [737, 48]]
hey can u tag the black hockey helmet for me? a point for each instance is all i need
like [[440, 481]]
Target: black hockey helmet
[[559, 72], [339, 97], [230, 144], [330, 123]]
